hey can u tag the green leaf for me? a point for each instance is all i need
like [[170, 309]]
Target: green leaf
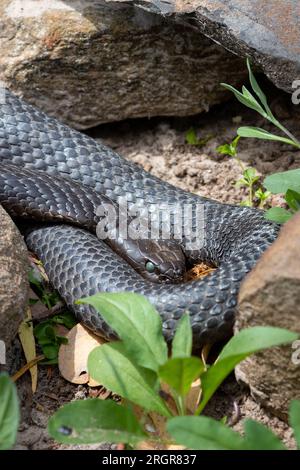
[[203, 433], [111, 366], [256, 88], [255, 103], [258, 133], [191, 137], [225, 150], [136, 322], [282, 182], [294, 420], [241, 182], [67, 319], [246, 99], [183, 338], [242, 345], [262, 195], [92, 421], [259, 437], [45, 332], [50, 351], [278, 214], [180, 373], [9, 412], [293, 199], [250, 175], [229, 149], [35, 278]]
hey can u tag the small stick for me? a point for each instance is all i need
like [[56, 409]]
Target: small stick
[[27, 366]]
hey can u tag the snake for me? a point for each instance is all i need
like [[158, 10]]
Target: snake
[[58, 175]]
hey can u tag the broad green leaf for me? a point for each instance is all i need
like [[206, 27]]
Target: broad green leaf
[[183, 338], [110, 365], [203, 433], [51, 351], [242, 345], [293, 199], [92, 421], [9, 412], [246, 99], [294, 420], [259, 437], [136, 322], [278, 214], [44, 332], [256, 88], [283, 181], [180, 373], [258, 133]]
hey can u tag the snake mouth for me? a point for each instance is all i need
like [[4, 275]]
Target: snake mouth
[[164, 279], [172, 273], [181, 274]]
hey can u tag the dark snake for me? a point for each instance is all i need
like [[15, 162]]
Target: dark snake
[[70, 170]]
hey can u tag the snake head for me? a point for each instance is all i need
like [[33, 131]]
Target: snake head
[[160, 261], [164, 261]]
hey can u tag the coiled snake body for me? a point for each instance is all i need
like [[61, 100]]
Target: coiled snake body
[[79, 264]]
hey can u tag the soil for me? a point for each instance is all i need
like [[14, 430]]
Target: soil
[[159, 146]]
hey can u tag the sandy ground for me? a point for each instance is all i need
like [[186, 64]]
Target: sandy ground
[[159, 146]]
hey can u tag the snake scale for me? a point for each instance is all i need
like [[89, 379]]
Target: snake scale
[[79, 264]]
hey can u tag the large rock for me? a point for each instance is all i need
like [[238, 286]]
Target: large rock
[[265, 31], [88, 62], [13, 279], [270, 295]]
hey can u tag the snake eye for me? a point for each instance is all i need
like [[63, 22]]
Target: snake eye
[[150, 267]]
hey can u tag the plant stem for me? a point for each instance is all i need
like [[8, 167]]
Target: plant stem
[[286, 131], [261, 204], [238, 160], [27, 366], [250, 195], [179, 403]]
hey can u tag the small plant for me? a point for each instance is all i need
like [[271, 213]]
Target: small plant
[[261, 107], [45, 332], [192, 138], [48, 298], [203, 433], [138, 366], [287, 183], [262, 197], [249, 177], [47, 337], [9, 412], [231, 150], [248, 180]]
